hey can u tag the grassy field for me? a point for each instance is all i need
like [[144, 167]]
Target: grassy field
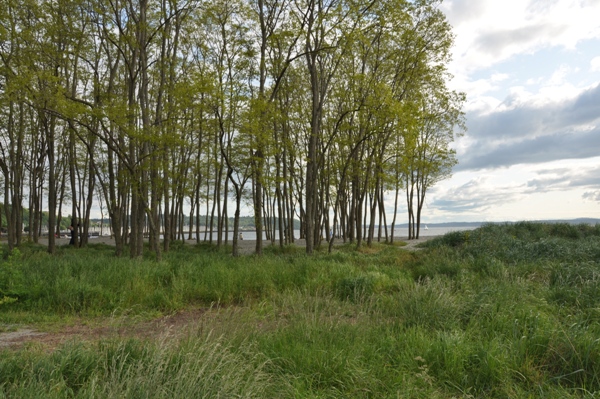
[[504, 311]]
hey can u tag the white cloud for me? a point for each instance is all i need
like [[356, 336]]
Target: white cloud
[[499, 77], [592, 196], [559, 76], [489, 31], [479, 194], [565, 177], [531, 129], [595, 64], [560, 189], [482, 105], [534, 81], [530, 71]]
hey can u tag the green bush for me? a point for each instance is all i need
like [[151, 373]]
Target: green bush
[[574, 359], [451, 239]]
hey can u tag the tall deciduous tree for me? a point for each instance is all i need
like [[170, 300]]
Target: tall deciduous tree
[[176, 107]]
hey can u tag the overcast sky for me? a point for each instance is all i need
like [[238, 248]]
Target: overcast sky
[[531, 72]]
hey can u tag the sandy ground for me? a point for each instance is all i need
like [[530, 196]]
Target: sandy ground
[[246, 247]]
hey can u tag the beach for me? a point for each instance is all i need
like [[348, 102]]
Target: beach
[[246, 247]]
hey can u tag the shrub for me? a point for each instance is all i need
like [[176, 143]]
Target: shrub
[[451, 239]]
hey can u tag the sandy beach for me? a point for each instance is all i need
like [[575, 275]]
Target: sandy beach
[[246, 246]]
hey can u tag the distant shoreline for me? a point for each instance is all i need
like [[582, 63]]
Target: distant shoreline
[[583, 220], [479, 224]]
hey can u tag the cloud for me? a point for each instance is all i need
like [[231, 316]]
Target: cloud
[[586, 107], [499, 77], [502, 44], [478, 195], [531, 151], [595, 64], [533, 110], [559, 76], [537, 188], [490, 31], [460, 12], [522, 133], [564, 179], [592, 196]]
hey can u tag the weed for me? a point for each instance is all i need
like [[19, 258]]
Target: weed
[[503, 311], [355, 288]]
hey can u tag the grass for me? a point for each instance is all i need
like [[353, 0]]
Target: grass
[[505, 311]]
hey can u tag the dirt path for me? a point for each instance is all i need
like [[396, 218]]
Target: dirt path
[[104, 328]]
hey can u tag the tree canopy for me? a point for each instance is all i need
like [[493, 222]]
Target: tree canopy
[[182, 110]]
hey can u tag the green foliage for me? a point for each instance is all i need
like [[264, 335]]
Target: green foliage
[[527, 242], [452, 239], [576, 284], [205, 368], [93, 281], [11, 277], [511, 311], [64, 223], [355, 289], [440, 262]]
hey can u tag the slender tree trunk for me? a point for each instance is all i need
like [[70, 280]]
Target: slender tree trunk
[[49, 128]]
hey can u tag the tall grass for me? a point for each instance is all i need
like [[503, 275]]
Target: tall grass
[[94, 282], [205, 367], [505, 311]]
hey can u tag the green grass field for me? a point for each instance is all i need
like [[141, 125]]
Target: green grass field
[[504, 311]]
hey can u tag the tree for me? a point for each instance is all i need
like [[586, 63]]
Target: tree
[[168, 107]]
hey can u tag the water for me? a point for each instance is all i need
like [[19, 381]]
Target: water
[[432, 231], [399, 232]]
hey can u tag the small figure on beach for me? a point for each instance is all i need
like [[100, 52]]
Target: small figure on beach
[[241, 236], [72, 229]]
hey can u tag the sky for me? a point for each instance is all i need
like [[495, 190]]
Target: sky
[[531, 73]]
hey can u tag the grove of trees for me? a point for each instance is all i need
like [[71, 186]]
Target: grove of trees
[[155, 110]]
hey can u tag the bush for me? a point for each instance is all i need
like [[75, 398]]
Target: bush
[[451, 239], [574, 359]]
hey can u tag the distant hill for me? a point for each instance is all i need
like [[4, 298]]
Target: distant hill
[[478, 224], [574, 221]]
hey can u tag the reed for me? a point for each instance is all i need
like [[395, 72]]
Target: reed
[[505, 311]]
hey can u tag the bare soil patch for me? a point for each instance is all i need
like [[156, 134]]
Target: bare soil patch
[[109, 328]]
